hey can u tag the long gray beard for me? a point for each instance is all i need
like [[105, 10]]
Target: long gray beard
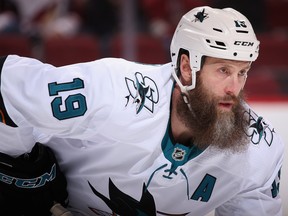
[[227, 133], [211, 127]]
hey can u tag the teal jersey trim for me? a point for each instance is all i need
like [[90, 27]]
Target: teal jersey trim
[[177, 153]]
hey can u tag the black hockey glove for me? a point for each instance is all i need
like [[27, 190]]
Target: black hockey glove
[[31, 183]]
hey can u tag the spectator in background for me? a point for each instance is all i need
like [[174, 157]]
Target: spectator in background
[[100, 18], [31, 12], [160, 15], [163, 15], [9, 20], [46, 18], [253, 10], [61, 21]]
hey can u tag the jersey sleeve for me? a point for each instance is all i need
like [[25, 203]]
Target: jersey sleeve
[[59, 101], [260, 193], [253, 203]]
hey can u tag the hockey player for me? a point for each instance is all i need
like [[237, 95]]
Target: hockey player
[[135, 139]]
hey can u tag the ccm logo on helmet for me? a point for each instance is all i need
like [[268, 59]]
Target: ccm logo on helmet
[[243, 43]]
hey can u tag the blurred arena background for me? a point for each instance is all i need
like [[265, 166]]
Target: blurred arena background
[[62, 32]]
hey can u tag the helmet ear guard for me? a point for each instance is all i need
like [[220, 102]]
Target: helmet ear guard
[[219, 33], [195, 64]]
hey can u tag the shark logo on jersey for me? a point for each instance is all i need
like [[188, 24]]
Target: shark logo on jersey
[[276, 185], [144, 92], [177, 155], [258, 128], [122, 204]]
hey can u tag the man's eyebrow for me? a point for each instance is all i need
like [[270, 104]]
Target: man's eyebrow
[[226, 63], [247, 67]]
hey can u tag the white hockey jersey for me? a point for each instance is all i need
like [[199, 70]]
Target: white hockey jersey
[[108, 124]]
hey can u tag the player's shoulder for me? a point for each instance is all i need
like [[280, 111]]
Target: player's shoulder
[[16, 59], [266, 148], [261, 132], [146, 74], [123, 65], [264, 153]]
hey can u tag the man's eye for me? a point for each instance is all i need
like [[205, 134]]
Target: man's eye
[[242, 73], [224, 70]]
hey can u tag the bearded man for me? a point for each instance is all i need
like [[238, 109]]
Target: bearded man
[[134, 139]]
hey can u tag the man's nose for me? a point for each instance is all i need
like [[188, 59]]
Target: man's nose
[[233, 85]]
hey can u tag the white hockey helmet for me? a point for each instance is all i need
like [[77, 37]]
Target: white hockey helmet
[[220, 33]]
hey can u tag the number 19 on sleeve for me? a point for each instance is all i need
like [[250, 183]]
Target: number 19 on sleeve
[[75, 104]]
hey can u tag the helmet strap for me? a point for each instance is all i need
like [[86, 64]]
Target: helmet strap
[[186, 100], [184, 89]]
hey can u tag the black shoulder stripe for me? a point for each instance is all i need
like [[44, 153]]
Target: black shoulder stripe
[[4, 117]]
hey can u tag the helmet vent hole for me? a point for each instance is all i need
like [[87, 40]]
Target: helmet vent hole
[[251, 55], [218, 30], [220, 43], [216, 44], [235, 53], [242, 31]]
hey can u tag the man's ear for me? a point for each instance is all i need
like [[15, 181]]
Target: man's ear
[[185, 69]]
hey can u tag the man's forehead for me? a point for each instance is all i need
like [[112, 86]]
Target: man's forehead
[[213, 60]]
